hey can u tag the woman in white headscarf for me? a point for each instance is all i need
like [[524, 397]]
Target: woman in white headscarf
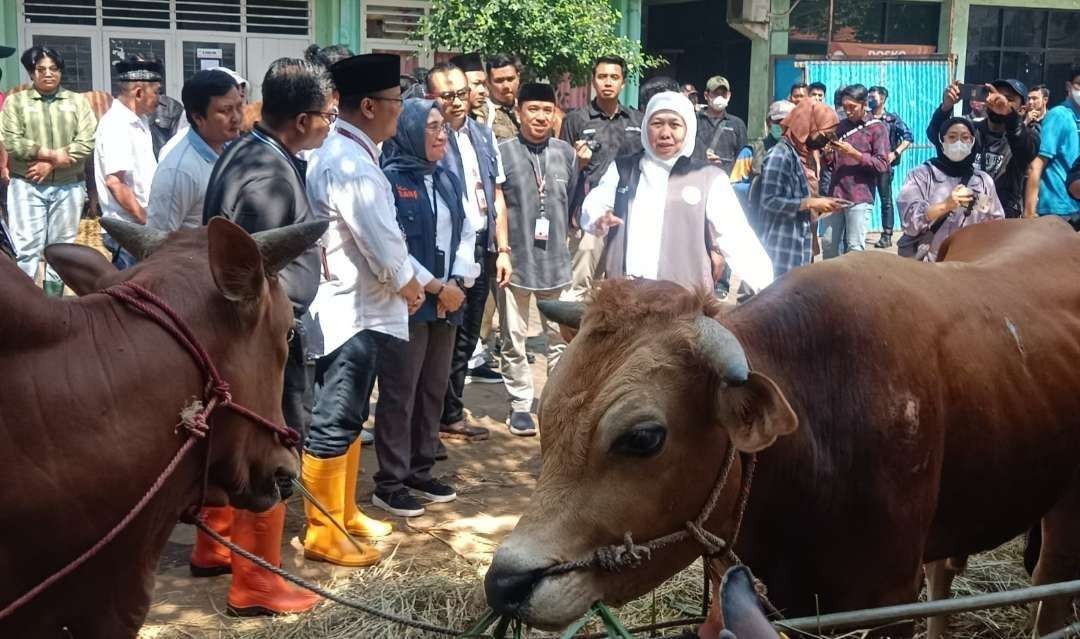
[[663, 214]]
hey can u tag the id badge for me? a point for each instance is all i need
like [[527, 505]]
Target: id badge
[[541, 232], [440, 264], [481, 199]]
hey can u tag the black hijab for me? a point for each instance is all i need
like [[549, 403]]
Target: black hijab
[[964, 168]]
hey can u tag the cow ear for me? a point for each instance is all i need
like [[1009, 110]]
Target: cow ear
[[755, 413], [82, 268], [235, 261]]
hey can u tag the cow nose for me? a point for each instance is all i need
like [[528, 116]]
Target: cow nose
[[509, 590]]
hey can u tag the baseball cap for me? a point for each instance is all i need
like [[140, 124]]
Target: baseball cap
[[780, 109], [237, 78], [717, 82], [1013, 84]]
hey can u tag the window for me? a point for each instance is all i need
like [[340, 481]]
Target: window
[[286, 17], [208, 15], [207, 55], [1034, 46], [70, 12], [120, 48], [78, 73], [868, 21]]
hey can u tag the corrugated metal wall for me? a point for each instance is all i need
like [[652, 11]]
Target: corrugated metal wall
[[915, 88]]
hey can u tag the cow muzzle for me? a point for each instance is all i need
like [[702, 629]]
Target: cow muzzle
[[515, 586]]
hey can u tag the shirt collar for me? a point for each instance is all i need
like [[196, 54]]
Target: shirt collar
[[201, 147], [36, 95], [126, 113], [596, 112], [353, 130]]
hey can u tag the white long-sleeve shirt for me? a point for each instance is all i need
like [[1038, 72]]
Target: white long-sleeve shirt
[[733, 237], [366, 255]]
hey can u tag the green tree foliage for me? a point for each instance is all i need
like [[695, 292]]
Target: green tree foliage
[[552, 37]]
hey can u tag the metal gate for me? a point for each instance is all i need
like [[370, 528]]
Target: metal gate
[[915, 85]]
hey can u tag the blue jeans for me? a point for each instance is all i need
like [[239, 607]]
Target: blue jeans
[[121, 259], [41, 215], [344, 380], [845, 231]]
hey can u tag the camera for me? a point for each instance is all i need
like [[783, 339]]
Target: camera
[[591, 141]]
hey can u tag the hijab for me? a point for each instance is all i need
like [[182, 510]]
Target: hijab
[[406, 152], [964, 168], [807, 118], [680, 105]]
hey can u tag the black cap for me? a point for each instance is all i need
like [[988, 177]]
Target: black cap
[[1013, 84], [6, 52], [134, 69], [366, 73], [536, 92], [468, 62]]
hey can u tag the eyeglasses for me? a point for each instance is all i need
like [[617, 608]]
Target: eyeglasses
[[52, 69], [329, 116], [435, 128], [450, 95]]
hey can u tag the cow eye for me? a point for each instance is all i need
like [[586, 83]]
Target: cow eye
[[644, 440]]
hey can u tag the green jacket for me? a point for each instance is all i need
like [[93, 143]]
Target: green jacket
[[30, 121]]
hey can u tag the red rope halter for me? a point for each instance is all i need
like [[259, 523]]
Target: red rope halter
[[193, 420]]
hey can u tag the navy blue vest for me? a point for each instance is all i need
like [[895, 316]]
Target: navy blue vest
[[416, 218], [484, 143]]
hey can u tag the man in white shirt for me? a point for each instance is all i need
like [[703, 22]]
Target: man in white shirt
[[124, 161], [474, 159], [213, 106], [369, 288]]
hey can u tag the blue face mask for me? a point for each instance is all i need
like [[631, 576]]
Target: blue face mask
[[873, 104]]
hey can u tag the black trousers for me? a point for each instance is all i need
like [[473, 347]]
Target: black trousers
[[297, 397], [884, 186], [344, 380], [468, 334]]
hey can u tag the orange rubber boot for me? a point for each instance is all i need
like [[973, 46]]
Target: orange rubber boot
[[255, 591], [356, 522], [208, 557]]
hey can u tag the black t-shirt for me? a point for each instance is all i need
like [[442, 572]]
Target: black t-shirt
[[725, 135], [618, 135]]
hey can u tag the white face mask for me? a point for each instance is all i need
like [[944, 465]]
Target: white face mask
[[1076, 95], [957, 151], [719, 103]]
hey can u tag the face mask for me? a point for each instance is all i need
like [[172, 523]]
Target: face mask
[[1076, 96], [776, 131], [996, 118], [719, 103], [957, 151], [873, 104]]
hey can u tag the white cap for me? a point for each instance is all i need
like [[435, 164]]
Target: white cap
[[239, 79]]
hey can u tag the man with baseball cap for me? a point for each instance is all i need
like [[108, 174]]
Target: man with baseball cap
[[1007, 146], [720, 135]]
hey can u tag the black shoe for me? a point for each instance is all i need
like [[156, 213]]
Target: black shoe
[[885, 241], [521, 424], [483, 375], [435, 490], [529, 357], [400, 502], [440, 452]]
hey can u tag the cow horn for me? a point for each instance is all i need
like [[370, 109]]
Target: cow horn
[[137, 239], [565, 313], [722, 350], [283, 245]]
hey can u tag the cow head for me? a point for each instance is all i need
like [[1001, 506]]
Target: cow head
[[223, 283], [635, 424]]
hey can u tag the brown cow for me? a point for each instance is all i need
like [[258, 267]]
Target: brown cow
[[930, 411], [90, 400]]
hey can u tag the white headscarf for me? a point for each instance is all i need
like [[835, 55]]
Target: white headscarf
[[678, 104]]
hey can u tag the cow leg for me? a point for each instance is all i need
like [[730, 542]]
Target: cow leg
[[939, 579], [1059, 559]]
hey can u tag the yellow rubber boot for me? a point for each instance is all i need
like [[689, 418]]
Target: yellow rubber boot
[[325, 480], [356, 522]]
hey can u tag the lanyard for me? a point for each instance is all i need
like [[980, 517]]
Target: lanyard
[[541, 179], [356, 139]]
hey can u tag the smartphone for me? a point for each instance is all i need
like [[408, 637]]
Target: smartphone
[[847, 204], [974, 92]]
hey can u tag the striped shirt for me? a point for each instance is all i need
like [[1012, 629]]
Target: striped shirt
[[30, 121], [785, 227]]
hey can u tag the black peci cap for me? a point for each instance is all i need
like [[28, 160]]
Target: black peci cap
[[367, 73], [536, 92]]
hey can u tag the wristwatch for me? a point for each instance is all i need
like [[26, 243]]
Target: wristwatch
[[460, 281]]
